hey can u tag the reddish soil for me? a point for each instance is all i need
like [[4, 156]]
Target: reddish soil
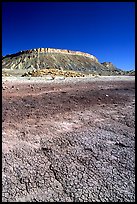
[[68, 141]]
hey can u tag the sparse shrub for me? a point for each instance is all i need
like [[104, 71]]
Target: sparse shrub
[[54, 72]]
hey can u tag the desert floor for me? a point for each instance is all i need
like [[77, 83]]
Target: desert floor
[[68, 140]]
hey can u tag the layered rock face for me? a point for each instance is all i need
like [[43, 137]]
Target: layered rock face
[[52, 50], [43, 58]]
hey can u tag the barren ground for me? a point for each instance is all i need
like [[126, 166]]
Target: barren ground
[[68, 140]]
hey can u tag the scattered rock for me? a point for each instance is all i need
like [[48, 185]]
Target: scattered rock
[[3, 88]]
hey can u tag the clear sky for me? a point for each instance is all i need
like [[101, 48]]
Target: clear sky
[[104, 29]]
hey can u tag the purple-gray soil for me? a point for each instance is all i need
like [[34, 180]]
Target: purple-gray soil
[[68, 141]]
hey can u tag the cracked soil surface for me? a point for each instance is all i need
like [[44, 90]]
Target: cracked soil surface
[[68, 141]]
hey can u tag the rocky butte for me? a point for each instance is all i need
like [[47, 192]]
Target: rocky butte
[[62, 59]]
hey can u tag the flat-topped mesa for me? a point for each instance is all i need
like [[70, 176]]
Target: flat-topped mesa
[[61, 59], [52, 50]]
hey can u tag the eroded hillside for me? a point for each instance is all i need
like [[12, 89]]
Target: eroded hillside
[[44, 58]]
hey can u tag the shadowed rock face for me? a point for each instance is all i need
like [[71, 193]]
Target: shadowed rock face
[[109, 65], [43, 58]]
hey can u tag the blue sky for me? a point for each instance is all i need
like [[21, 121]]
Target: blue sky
[[104, 29]]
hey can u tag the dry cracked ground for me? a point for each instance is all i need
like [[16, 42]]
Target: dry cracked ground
[[68, 141]]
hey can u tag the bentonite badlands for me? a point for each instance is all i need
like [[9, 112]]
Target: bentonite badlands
[[45, 58], [70, 139]]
